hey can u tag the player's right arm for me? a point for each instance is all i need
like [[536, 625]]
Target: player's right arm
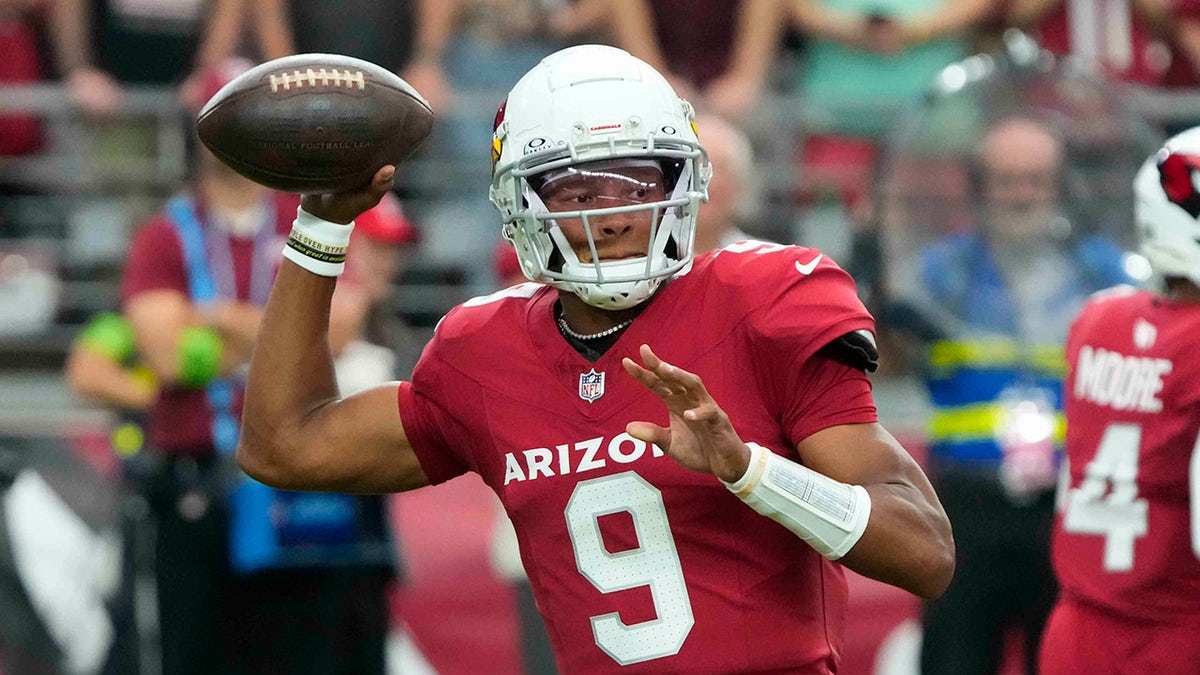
[[297, 433]]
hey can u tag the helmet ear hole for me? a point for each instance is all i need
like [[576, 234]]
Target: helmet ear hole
[[556, 261], [672, 169], [671, 250]]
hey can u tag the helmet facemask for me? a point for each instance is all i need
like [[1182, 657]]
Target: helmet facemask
[[545, 250]]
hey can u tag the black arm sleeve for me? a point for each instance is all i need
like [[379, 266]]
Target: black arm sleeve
[[856, 349]]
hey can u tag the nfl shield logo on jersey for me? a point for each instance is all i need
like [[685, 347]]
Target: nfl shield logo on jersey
[[1144, 334], [591, 385]]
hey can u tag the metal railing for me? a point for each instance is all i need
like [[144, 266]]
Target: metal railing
[[62, 167], [76, 164]]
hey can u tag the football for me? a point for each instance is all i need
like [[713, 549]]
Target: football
[[314, 122]]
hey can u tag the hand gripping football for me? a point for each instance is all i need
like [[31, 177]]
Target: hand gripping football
[[314, 122]]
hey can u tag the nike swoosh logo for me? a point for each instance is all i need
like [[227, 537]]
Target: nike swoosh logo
[[807, 268]]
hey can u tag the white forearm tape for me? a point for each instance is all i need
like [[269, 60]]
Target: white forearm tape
[[831, 516], [318, 246]]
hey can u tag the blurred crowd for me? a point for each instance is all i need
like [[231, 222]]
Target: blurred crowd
[[846, 125]]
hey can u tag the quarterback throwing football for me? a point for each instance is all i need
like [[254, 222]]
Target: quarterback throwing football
[[684, 445]]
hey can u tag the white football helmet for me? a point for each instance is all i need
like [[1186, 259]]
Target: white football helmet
[[1167, 204], [582, 105]]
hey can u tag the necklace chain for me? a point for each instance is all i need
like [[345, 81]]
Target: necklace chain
[[562, 325]]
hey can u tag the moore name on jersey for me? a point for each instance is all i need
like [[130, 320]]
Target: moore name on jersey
[[1119, 381]]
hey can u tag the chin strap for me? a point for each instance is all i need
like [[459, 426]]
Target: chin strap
[[830, 515]]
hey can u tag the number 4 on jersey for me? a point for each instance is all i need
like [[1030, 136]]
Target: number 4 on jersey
[[1116, 513]]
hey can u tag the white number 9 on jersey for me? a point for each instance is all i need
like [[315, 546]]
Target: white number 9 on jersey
[[654, 563]]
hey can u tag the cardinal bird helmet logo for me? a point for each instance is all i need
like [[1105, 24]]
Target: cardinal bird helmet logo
[[1179, 174]]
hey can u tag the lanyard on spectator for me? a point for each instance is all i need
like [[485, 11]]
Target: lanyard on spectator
[[204, 286], [220, 257], [269, 528]]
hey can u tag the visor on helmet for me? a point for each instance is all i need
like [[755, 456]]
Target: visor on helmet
[[601, 184]]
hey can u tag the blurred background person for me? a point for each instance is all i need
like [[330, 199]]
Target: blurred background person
[[127, 69], [716, 53], [20, 134], [861, 65], [1130, 597], [462, 45], [195, 282], [384, 33], [992, 304], [1153, 43], [1125, 40], [866, 61], [103, 369], [388, 348], [734, 193], [103, 365], [102, 46]]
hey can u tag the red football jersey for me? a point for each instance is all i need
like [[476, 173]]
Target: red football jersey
[[639, 565], [1125, 539]]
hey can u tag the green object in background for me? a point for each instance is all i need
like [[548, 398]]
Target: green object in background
[[200, 351], [108, 335], [128, 439]]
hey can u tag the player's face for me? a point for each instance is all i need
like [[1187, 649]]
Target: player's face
[[588, 188]]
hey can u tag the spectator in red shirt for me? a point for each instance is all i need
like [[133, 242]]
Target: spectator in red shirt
[[322, 619]]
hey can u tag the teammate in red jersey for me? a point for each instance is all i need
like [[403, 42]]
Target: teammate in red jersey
[[1127, 540], [633, 409]]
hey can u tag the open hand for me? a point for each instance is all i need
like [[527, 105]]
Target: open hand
[[700, 437], [343, 207]]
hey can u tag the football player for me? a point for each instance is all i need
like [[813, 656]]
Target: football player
[[1126, 539], [684, 445]]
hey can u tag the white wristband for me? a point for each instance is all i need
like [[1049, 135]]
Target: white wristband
[[830, 515], [318, 246]]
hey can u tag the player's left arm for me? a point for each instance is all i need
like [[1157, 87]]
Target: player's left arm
[[907, 541], [856, 496]]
